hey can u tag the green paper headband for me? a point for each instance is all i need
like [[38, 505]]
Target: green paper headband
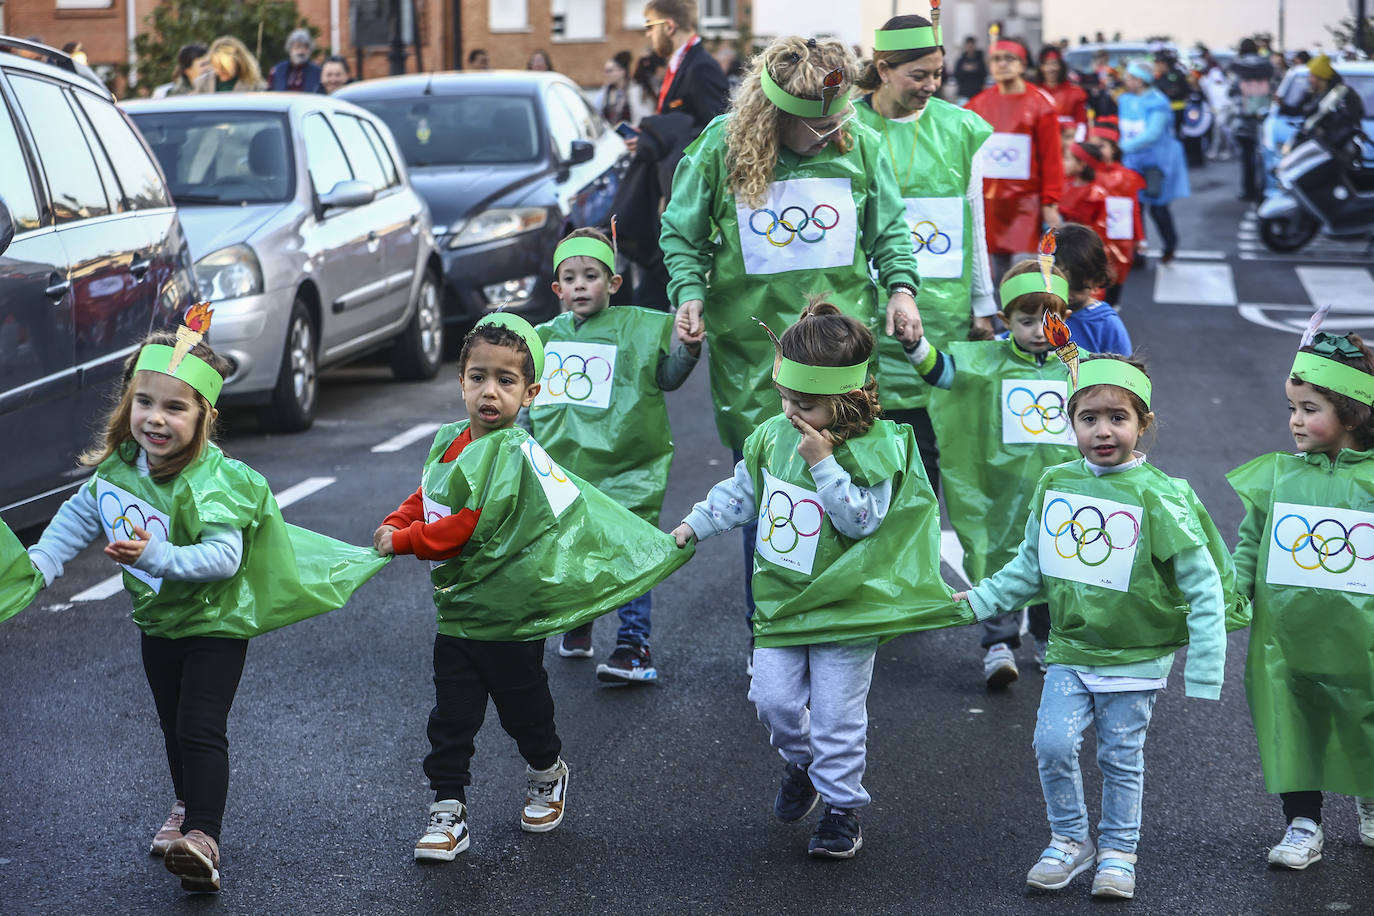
[[805, 379], [192, 370], [1338, 377], [1023, 284], [1116, 372], [587, 248], [526, 330], [794, 105], [907, 39]]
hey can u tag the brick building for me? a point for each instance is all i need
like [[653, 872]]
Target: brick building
[[579, 35]]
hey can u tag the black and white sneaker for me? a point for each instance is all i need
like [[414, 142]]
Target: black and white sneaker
[[837, 836], [628, 664], [577, 643]]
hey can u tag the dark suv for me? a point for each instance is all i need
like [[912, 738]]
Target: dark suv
[[93, 258]]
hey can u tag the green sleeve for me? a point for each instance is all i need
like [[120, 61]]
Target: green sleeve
[[886, 236], [688, 251], [1015, 584], [1198, 579], [1250, 537]]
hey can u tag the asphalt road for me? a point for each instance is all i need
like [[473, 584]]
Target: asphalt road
[[671, 787]]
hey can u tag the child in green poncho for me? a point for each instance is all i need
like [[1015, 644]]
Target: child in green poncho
[[847, 554], [209, 563], [1134, 569], [1304, 554], [998, 411], [600, 413]]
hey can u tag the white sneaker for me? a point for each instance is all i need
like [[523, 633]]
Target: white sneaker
[[1364, 807], [999, 666], [446, 835], [1300, 847], [544, 797], [1061, 862]]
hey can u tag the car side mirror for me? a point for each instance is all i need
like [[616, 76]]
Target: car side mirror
[[350, 193], [581, 151], [6, 227]]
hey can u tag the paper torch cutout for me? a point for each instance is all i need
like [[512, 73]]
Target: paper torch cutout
[[1057, 333], [830, 88], [1046, 259], [777, 349], [935, 16], [192, 331]]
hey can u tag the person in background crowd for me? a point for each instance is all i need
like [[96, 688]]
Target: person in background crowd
[[191, 63], [728, 58], [540, 60], [1070, 101], [1170, 79], [76, 51], [694, 83], [1254, 80], [233, 68], [1216, 86], [1280, 65], [334, 74], [1333, 112], [298, 73], [1301, 58], [1149, 147], [613, 101], [970, 71], [644, 85], [478, 59]]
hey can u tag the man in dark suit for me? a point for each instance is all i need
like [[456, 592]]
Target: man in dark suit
[[694, 84], [298, 73]]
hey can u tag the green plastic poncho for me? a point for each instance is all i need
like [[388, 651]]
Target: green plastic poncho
[[550, 552], [813, 584], [286, 573], [1104, 543], [932, 158], [1002, 422], [843, 210], [1306, 552], [600, 412], [19, 580]]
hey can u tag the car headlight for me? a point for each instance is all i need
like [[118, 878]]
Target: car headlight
[[229, 274], [497, 223]]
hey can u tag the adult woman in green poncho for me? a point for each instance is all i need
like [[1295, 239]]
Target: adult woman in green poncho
[[783, 196], [934, 147]]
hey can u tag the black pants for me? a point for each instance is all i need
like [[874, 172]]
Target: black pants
[[193, 682], [466, 672], [1302, 804], [1164, 222], [918, 418], [1251, 182]]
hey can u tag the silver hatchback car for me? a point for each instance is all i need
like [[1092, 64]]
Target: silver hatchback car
[[306, 236]]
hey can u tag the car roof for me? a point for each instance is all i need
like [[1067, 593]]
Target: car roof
[[454, 82], [279, 102], [40, 58]]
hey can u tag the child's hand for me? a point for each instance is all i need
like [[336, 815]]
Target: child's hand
[[960, 596], [689, 324], [381, 539], [684, 534], [815, 446], [128, 552]]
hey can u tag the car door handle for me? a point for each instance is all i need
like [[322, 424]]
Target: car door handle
[[139, 268], [57, 288]]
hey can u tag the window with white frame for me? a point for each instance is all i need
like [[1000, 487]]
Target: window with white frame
[[84, 4], [579, 20], [508, 15]]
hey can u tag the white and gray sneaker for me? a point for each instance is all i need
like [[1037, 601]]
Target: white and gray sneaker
[[544, 796], [1061, 862], [999, 666], [1115, 875], [1300, 847], [1364, 807], [446, 835]]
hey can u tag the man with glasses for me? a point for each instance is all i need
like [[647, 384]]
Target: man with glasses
[[694, 84]]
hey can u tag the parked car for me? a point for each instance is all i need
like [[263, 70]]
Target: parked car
[[93, 256], [1079, 59], [1284, 119], [509, 162], [307, 238]]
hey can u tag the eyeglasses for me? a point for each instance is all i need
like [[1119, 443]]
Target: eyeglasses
[[834, 130], [650, 23]]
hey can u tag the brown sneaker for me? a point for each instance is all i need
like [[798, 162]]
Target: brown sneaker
[[544, 798], [171, 829], [194, 858]]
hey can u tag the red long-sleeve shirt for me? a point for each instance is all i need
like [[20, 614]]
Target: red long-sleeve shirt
[[438, 540]]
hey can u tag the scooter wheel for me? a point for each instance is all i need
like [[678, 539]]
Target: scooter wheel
[[1287, 233]]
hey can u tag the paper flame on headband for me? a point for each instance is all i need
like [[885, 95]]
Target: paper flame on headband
[[830, 87], [777, 348], [1314, 326], [1059, 336], [994, 31], [1046, 258], [192, 331], [198, 317]]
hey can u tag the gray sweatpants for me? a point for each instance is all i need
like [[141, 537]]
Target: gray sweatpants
[[813, 701]]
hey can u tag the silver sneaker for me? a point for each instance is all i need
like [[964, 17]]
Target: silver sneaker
[[1300, 847], [446, 835], [1115, 875], [999, 666], [1061, 862], [1364, 807]]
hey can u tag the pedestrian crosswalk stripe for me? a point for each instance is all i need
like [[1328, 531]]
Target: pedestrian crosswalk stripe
[[1194, 284], [1345, 286], [401, 440]]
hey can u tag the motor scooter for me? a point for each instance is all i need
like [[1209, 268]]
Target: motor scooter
[[1320, 190]]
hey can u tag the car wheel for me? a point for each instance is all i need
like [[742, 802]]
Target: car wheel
[[292, 408], [1287, 233], [419, 351]]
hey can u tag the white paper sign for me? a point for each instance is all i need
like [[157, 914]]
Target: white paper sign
[[937, 235], [434, 511], [790, 519], [1007, 156], [1131, 128], [558, 487], [1036, 411], [1089, 539], [120, 512], [805, 224], [1120, 217], [1321, 547], [577, 373]]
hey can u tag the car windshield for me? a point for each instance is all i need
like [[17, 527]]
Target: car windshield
[[1080, 60], [1364, 85], [220, 157], [461, 130]]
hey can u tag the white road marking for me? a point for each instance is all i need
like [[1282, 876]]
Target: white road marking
[[1199, 254], [1292, 319], [1194, 284], [107, 587], [952, 554], [1347, 286], [398, 442]]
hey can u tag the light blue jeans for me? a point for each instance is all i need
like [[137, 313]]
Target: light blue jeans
[[1121, 720]]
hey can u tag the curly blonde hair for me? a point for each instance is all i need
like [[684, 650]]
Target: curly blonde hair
[[245, 64], [751, 133]]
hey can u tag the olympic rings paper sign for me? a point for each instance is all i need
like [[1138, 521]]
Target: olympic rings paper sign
[[1089, 539], [805, 224], [1120, 218], [790, 519], [560, 490], [1007, 156], [1036, 412], [577, 374], [937, 235], [120, 511], [1321, 547]]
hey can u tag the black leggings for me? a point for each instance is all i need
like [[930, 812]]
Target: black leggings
[[193, 682], [1302, 804], [1164, 222]]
